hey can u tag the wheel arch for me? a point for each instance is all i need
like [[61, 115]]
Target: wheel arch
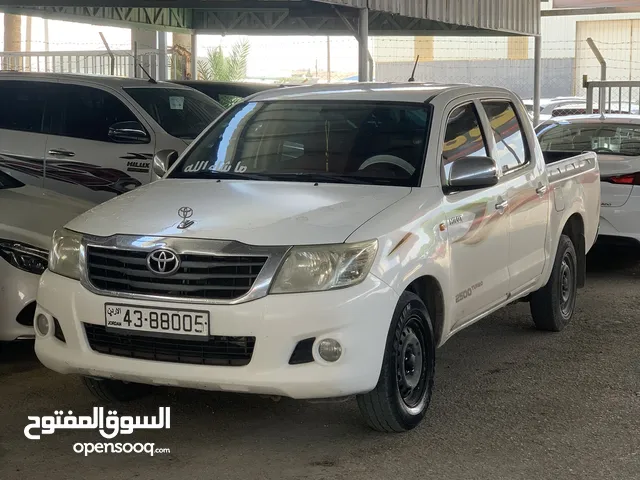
[[428, 288], [574, 229]]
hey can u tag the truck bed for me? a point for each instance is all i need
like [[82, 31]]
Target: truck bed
[[562, 165], [556, 156]]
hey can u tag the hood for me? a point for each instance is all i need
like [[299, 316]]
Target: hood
[[251, 212], [30, 214]]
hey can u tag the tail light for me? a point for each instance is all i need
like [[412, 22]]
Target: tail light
[[629, 179]]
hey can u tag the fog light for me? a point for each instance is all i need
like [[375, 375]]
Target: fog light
[[42, 324], [329, 349]]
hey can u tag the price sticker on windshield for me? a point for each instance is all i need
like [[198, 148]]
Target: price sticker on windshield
[[176, 103]]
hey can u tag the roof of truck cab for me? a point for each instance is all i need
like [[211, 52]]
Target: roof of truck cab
[[384, 92], [114, 82]]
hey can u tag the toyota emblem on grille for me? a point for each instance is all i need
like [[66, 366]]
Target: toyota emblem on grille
[[163, 262], [185, 214]]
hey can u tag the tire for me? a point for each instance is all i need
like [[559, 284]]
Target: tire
[[115, 391], [552, 306], [403, 393]]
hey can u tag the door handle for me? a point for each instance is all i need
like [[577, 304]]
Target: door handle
[[61, 152], [541, 190], [502, 206]]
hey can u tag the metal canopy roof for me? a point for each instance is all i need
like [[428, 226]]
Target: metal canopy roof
[[302, 17]]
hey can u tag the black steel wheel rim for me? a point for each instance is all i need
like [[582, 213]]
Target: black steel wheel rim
[[567, 285], [411, 363]]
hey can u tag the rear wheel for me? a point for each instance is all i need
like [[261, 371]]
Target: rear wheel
[[114, 391], [553, 305], [403, 393]]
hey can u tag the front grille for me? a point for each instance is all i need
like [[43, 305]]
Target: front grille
[[199, 276], [218, 350]]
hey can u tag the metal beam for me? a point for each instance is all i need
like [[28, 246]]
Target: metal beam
[[162, 55], [168, 19], [562, 12], [194, 56], [537, 79], [363, 45]]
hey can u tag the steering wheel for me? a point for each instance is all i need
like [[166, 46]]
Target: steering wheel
[[603, 150], [390, 160]]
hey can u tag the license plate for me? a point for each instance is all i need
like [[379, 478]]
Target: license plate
[[151, 320]]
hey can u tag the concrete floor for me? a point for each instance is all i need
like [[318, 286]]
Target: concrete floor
[[510, 403]]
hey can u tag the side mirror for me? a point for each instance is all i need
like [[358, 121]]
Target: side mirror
[[163, 160], [469, 173], [128, 132]]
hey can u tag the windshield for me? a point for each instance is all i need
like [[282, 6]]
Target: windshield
[[618, 139], [181, 112], [7, 181], [335, 142]]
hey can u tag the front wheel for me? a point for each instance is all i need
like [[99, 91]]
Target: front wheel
[[553, 305], [402, 395]]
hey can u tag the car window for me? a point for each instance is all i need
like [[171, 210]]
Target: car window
[[618, 139], [22, 106], [463, 136], [330, 141], [510, 145], [182, 113], [87, 112]]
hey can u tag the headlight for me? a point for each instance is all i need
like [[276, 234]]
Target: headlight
[[64, 258], [313, 269], [25, 257]]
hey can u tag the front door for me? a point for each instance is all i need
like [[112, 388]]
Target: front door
[[478, 228], [81, 160], [527, 194]]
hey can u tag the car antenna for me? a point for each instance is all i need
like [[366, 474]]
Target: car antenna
[[413, 73], [151, 79], [139, 64]]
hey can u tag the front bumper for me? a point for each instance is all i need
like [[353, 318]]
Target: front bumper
[[358, 317], [17, 290]]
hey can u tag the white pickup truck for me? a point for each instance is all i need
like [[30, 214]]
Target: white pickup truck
[[321, 242]]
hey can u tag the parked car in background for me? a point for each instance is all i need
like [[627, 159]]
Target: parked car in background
[[28, 217], [227, 93], [94, 137], [581, 109], [547, 105], [320, 242], [616, 140]]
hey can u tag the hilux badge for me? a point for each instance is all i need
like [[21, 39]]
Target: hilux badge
[[185, 213]]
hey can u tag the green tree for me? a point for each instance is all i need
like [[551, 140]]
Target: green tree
[[225, 68]]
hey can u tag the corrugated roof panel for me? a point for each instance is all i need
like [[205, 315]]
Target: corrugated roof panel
[[517, 16]]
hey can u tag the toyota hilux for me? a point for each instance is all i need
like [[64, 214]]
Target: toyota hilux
[[318, 243]]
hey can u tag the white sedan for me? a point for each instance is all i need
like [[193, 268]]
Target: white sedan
[[28, 217], [616, 140]]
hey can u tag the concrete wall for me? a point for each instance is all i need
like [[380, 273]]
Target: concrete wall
[[517, 75]]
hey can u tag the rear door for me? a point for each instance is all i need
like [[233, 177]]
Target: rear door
[[23, 129], [81, 159]]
